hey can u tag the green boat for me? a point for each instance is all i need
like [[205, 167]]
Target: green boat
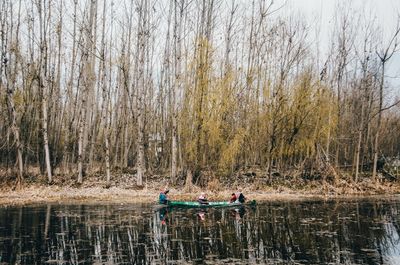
[[209, 204]]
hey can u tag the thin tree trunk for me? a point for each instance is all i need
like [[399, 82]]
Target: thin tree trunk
[[141, 87], [361, 127], [378, 127], [45, 134], [86, 87], [140, 160], [105, 108], [43, 82], [67, 157], [358, 150], [178, 15]]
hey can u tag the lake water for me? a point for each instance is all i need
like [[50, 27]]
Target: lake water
[[364, 231]]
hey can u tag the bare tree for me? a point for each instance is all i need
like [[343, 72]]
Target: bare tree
[[384, 56], [345, 39], [106, 97], [44, 18], [141, 85], [365, 60], [179, 9], [87, 76], [8, 76]]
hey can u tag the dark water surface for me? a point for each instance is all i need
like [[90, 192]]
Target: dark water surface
[[313, 232]]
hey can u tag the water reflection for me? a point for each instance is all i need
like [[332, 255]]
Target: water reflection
[[336, 232]]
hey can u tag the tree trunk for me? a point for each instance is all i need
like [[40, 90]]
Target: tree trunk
[[142, 43], [364, 91], [87, 74], [43, 83], [178, 15], [358, 149], [378, 127], [140, 164], [105, 106], [45, 135]]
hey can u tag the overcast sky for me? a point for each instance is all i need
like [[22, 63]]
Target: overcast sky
[[321, 13]]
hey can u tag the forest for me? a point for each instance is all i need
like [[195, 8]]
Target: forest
[[194, 92]]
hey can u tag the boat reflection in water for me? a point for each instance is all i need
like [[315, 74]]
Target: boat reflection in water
[[338, 232]]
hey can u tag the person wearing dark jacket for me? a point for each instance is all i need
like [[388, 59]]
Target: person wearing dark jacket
[[241, 198]]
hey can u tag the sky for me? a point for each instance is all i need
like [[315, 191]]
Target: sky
[[321, 14]]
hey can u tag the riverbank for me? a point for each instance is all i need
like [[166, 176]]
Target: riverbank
[[99, 194], [123, 188]]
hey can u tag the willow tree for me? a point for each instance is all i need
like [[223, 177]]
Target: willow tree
[[195, 101], [299, 127], [194, 112], [291, 50]]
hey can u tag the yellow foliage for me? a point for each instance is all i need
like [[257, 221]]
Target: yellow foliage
[[293, 117], [206, 119], [231, 150]]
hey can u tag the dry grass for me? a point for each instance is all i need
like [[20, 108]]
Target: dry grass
[[58, 194], [124, 190], [42, 194]]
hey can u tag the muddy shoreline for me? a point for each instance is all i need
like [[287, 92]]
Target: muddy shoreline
[[98, 195]]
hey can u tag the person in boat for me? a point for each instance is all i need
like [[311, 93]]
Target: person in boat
[[241, 198], [233, 198], [163, 198], [203, 198]]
